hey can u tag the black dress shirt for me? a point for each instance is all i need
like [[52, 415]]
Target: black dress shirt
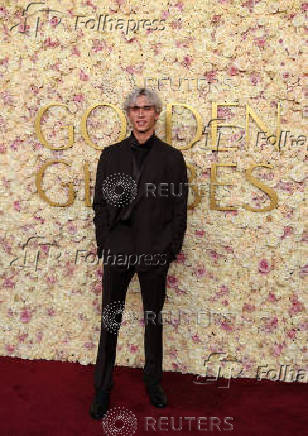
[[140, 152]]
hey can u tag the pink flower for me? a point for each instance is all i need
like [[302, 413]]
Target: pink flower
[[25, 316], [8, 283], [179, 5], [196, 338], [264, 267], [297, 306], [49, 43], [3, 11], [183, 43], [248, 307], [213, 254], [54, 21], [79, 98], [303, 325], [254, 78], [287, 230], [172, 281], [173, 353], [187, 61], [181, 258], [130, 69], [200, 272], [165, 14], [231, 212], [83, 76], [176, 24], [10, 348], [133, 348], [273, 323], [89, 345], [210, 75], [249, 4], [17, 205], [215, 19], [199, 232], [223, 291], [15, 144], [225, 326], [292, 333], [233, 71], [51, 312], [51, 279], [179, 291], [304, 271], [72, 228], [38, 218], [277, 349], [272, 297], [224, 112], [45, 248], [260, 42], [23, 28], [75, 51]]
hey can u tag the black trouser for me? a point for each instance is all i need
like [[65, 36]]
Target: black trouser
[[153, 292]]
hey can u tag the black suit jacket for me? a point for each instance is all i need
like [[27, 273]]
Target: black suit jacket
[[158, 221]]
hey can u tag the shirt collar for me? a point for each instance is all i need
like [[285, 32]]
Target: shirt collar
[[148, 143]]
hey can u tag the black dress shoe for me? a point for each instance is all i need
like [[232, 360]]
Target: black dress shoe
[[100, 406], [157, 395]]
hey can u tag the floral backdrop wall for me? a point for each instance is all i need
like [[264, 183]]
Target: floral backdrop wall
[[236, 292]]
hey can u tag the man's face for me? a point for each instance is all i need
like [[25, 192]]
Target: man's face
[[142, 115]]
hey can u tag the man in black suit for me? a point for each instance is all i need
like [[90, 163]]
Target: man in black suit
[[140, 205]]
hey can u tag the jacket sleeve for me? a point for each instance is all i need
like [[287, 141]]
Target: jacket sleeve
[[99, 204], [180, 199]]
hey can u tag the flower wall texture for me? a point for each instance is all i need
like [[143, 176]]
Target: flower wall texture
[[240, 276]]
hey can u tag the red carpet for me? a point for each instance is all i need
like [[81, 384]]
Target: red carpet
[[52, 398]]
